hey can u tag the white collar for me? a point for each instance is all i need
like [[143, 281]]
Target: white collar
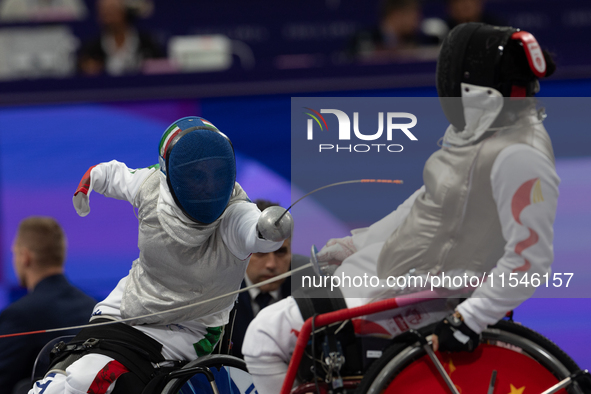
[[481, 105], [255, 291]]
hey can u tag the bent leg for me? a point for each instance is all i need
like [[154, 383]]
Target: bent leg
[[94, 373], [53, 383], [269, 343]]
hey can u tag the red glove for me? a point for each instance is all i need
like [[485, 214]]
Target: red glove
[[80, 198]]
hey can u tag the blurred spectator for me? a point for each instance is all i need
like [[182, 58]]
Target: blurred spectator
[[47, 51], [398, 34], [121, 48], [42, 10], [39, 252], [463, 11], [262, 266]]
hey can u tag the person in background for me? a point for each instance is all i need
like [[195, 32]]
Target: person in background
[[457, 12], [397, 35], [262, 266], [121, 48], [39, 253], [464, 11]]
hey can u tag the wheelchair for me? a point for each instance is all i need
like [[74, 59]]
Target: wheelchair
[[213, 374], [509, 355], [510, 359]]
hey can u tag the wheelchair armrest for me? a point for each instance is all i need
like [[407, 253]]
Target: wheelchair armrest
[[172, 381], [217, 360]]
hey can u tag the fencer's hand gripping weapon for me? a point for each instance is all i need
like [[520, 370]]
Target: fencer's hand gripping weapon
[[275, 224]]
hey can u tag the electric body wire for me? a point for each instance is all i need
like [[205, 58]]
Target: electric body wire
[[180, 308]]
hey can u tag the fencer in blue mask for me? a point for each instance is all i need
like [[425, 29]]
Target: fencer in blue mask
[[197, 230]]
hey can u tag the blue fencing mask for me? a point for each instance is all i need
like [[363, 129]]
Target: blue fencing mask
[[200, 168]]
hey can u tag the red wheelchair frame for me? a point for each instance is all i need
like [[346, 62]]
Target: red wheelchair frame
[[326, 319]]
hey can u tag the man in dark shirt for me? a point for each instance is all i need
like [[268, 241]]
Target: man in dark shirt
[[398, 35], [39, 252]]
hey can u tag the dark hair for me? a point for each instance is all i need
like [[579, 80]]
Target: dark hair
[[387, 6]]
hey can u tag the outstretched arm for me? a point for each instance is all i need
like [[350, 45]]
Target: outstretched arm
[[112, 179]]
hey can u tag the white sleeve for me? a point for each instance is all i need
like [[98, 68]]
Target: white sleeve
[[239, 233], [381, 230], [114, 179], [525, 188]]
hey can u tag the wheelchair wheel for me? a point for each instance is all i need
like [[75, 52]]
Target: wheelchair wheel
[[524, 361], [229, 373]]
